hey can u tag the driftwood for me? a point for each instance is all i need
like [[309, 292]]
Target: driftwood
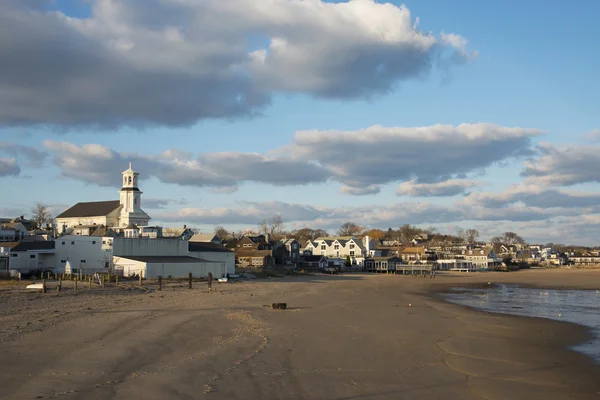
[[279, 306]]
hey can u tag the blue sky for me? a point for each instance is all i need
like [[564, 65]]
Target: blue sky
[[526, 65]]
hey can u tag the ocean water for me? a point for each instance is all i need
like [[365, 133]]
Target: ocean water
[[577, 306]]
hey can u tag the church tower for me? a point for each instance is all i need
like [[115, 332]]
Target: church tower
[[131, 200]]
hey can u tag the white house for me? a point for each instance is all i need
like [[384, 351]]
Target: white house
[[12, 230], [338, 247], [28, 257], [481, 258], [116, 214]]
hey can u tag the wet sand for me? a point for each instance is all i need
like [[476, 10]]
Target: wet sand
[[343, 337]]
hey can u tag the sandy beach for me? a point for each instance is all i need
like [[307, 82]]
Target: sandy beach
[[344, 337]]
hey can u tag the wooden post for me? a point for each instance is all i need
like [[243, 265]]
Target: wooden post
[[109, 279], [117, 280], [190, 280], [103, 281], [59, 287], [75, 285], [140, 278], [160, 283], [90, 282], [210, 278], [43, 286]]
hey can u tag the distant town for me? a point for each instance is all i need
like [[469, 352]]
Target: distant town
[[116, 237]]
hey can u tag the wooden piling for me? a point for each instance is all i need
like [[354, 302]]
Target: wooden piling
[[90, 282], [160, 283], [75, 285], [140, 279], [117, 280], [59, 287], [103, 281], [43, 286], [190, 281]]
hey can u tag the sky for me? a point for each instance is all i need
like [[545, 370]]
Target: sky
[[463, 114]]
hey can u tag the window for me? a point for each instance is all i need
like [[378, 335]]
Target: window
[[323, 247], [63, 261], [351, 253], [351, 246], [72, 243], [134, 201], [82, 261], [336, 247], [247, 245], [104, 242], [32, 256], [63, 243], [14, 255]]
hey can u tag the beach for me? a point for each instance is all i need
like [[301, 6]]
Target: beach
[[355, 336]]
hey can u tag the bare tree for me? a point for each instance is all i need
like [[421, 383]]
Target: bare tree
[[309, 233], [41, 216], [272, 226], [508, 238], [471, 235], [349, 229], [221, 232]]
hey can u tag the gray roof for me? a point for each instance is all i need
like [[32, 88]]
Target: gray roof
[[39, 245], [91, 209], [167, 259], [208, 247]]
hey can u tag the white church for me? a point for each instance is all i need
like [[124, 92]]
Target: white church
[[121, 215]]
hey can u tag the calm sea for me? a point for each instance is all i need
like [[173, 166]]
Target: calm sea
[[577, 306]]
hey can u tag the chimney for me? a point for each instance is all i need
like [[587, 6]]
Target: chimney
[[184, 226], [367, 245]]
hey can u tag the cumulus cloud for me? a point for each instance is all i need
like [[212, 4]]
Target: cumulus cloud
[[535, 196], [379, 155], [450, 187], [361, 160], [176, 62], [9, 167], [33, 156], [101, 165], [564, 166]]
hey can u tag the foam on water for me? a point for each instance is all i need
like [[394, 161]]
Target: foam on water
[[577, 306]]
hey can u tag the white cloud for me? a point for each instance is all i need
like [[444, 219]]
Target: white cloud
[[93, 163], [431, 154], [178, 61], [558, 166], [450, 187], [361, 160]]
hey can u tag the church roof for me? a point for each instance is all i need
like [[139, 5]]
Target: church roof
[[91, 209]]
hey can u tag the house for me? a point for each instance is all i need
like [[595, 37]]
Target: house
[[116, 214], [28, 257], [184, 233], [457, 263], [383, 264], [482, 258], [254, 258], [313, 263], [340, 247], [420, 253], [585, 260], [169, 266], [249, 249], [206, 238], [12, 230], [292, 251]]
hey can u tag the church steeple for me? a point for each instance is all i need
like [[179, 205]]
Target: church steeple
[[130, 178], [131, 200]]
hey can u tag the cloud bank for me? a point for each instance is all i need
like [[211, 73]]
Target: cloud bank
[[173, 62]]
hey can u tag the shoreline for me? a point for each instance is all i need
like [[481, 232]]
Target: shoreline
[[343, 337]]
